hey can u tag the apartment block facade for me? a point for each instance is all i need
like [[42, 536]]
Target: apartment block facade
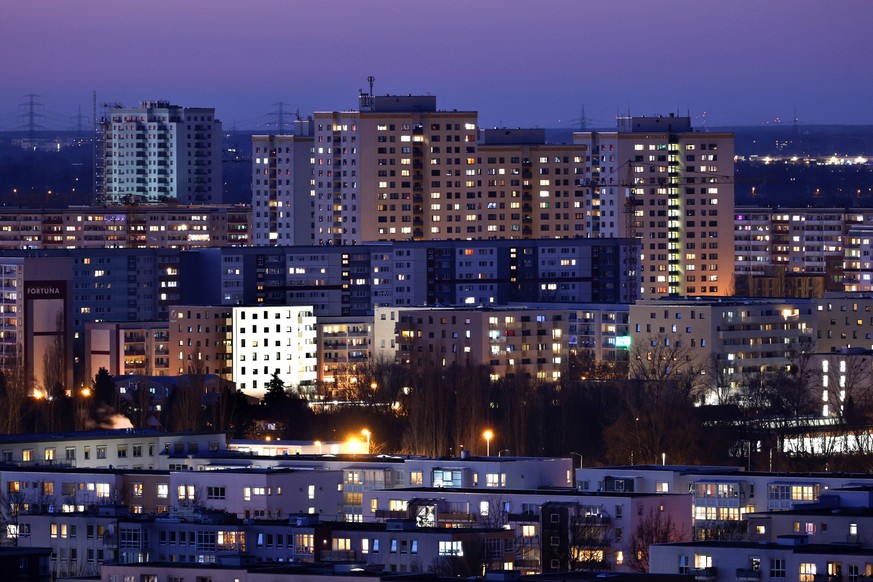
[[378, 170], [675, 188], [282, 188], [533, 340], [123, 348], [124, 227], [270, 341], [160, 152], [727, 340], [803, 240]]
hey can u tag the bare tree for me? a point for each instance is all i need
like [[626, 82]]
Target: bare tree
[[718, 389], [138, 405], [470, 385], [472, 561], [846, 387], [13, 399], [497, 515], [186, 401], [655, 527], [591, 536], [53, 361], [583, 366], [11, 507], [429, 410], [661, 357], [657, 418]]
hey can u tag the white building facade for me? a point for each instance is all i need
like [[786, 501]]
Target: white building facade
[[274, 340], [159, 152]]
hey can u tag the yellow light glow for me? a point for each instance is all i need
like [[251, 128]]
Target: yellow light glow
[[354, 445]]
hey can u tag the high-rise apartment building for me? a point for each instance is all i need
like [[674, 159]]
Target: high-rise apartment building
[[380, 170], [527, 188], [160, 152], [400, 169], [282, 189], [674, 187]]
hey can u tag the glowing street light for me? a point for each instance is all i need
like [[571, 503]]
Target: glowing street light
[[366, 433], [488, 434]]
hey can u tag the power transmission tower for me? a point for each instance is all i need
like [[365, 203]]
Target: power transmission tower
[[79, 123], [279, 114], [31, 117]]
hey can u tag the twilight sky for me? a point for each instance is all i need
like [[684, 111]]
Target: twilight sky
[[519, 63]]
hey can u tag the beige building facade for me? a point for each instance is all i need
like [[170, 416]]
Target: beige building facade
[[675, 187]]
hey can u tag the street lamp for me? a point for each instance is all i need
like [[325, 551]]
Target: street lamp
[[488, 434], [581, 458], [366, 433]]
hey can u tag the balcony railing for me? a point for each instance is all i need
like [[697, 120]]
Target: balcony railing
[[338, 555], [704, 573], [748, 574]]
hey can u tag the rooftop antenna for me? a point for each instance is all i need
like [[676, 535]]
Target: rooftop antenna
[[371, 79]]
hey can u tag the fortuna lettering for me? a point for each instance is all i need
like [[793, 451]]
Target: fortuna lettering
[[43, 291]]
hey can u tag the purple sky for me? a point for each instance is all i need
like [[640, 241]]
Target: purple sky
[[520, 63]]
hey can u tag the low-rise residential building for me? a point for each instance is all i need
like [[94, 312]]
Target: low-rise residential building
[[533, 339], [790, 558], [729, 340], [723, 498], [260, 493], [79, 542], [554, 529], [825, 539], [209, 540], [362, 473], [102, 449]]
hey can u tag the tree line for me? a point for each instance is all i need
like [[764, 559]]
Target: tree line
[[646, 411]]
